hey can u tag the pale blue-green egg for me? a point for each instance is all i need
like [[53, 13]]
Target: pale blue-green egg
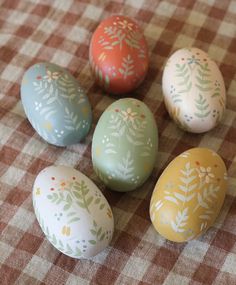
[[124, 145], [55, 104]]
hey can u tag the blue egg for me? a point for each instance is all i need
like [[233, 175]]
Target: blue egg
[[55, 104]]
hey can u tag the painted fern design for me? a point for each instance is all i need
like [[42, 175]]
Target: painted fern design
[[127, 66], [41, 87], [125, 168], [155, 207], [186, 188], [58, 198], [98, 233], [48, 97], [217, 90], [98, 202], [204, 84], [117, 125], [202, 107], [77, 195], [170, 198], [158, 205], [135, 132], [72, 121], [101, 176], [183, 72], [116, 35], [59, 244], [110, 148], [67, 87], [176, 98], [147, 148], [73, 216], [81, 192], [102, 78], [206, 217], [180, 221], [207, 197], [105, 44], [132, 39]]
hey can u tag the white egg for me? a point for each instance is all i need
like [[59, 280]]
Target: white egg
[[72, 212], [193, 90]]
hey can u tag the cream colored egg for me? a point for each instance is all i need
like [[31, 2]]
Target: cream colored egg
[[189, 195], [72, 212], [193, 90]]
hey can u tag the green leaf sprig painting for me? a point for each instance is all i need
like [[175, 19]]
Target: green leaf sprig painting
[[189, 195], [72, 212], [74, 194], [193, 84]]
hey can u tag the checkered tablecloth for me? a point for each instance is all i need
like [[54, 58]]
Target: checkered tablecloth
[[59, 32]]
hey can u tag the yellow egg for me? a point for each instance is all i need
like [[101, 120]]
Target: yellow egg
[[189, 195]]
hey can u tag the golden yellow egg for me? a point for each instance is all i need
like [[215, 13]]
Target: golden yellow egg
[[189, 195]]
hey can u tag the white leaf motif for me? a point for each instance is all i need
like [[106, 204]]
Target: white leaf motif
[[172, 199], [110, 151], [180, 221], [158, 205]]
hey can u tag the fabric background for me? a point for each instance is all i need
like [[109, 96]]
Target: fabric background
[[59, 31]]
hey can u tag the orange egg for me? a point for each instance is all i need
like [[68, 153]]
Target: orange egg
[[118, 55]]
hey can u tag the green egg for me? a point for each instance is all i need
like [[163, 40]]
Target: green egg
[[125, 144]]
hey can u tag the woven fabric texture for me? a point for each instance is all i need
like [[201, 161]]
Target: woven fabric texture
[[59, 32]]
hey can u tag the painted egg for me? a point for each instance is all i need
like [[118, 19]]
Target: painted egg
[[55, 104], [189, 195], [124, 145], [118, 54], [193, 90], [72, 212]]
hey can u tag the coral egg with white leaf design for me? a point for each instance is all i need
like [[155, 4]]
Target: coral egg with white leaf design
[[118, 54], [55, 104], [189, 195], [193, 90], [72, 212], [124, 145]]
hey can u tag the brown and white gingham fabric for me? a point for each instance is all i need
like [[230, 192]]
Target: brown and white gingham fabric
[[59, 31]]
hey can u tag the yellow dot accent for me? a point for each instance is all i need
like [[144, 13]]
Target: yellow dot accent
[[98, 151], [48, 126], [65, 231], [38, 191], [85, 111]]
